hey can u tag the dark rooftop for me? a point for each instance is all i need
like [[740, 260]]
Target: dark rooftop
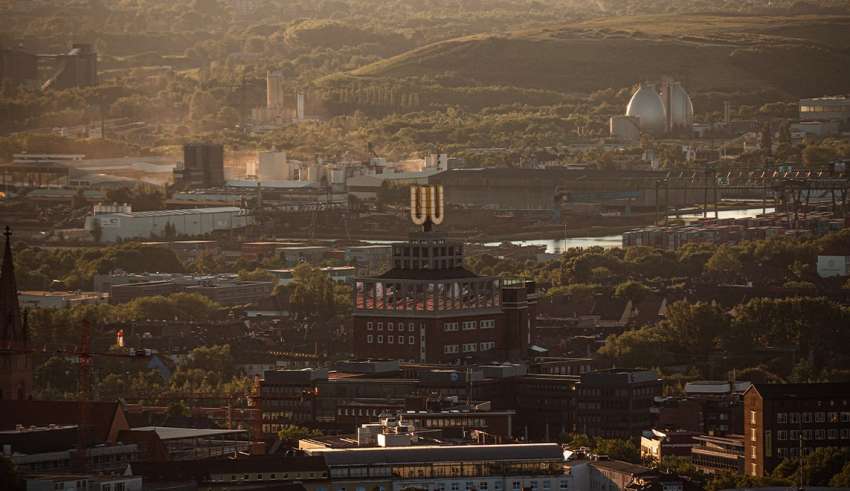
[[802, 391]]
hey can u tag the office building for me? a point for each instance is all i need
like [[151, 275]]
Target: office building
[[616, 403], [202, 166], [657, 445], [429, 308], [782, 419], [713, 454]]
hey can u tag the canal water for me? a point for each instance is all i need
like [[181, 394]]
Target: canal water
[[607, 241]]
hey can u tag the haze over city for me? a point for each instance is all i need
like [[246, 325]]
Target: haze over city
[[433, 245]]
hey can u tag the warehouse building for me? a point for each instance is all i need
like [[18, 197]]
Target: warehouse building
[[108, 225]]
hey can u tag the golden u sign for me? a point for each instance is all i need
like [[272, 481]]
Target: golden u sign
[[426, 205]]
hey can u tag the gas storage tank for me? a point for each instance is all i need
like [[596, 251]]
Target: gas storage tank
[[677, 102], [647, 106]]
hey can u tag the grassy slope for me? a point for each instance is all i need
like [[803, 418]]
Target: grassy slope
[[804, 55]]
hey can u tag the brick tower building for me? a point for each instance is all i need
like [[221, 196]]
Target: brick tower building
[[429, 308], [15, 360]]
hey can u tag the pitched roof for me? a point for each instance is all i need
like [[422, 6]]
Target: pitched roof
[[102, 415]]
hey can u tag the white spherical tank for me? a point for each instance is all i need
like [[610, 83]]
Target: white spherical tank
[[647, 105], [680, 109]]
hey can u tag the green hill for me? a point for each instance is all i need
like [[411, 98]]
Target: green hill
[[797, 56]]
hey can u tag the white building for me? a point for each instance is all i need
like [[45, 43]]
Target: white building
[[537, 467], [121, 225]]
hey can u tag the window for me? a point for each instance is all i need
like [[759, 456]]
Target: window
[[468, 325], [450, 348], [832, 417], [411, 327], [380, 339], [845, 417], [807, 417], [389, 326], [470, 347], [411, 340], [832, 434], [781, 418], [259, 477], [455, 486], [820, 417], [564, 484], [753, 435], [845, 433], [487, 345], [781, 435], [547, 484], [820, 434], [807, 434], [401, 339], [794, 418], [515, 485], [753, 469], [483, 486], [753, 419], [487, 324], [794, 435], [753, 453], [380, 326], [368, 326], [449, 326], [369, 339]]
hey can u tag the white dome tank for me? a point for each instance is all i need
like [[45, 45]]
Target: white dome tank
[[647, 105], [680, 109]]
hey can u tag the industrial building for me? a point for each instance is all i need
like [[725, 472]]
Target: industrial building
[[76, 68], [655, 112], [202, 166], [114, 226], [552, 188], [18, 66], [835, 108]]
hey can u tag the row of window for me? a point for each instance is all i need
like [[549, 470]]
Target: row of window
[[830, 434], [469, 325], [379, 326], [469, 347], [479, 486], [817, 417], [391, 339]]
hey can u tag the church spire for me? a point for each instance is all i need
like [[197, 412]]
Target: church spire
[[11, 327]]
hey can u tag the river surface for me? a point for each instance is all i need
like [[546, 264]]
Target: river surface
[[608, 241]]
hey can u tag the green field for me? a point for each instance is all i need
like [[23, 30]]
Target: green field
[[795, 55]]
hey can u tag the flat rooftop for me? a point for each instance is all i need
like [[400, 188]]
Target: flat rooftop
[[436, 453]]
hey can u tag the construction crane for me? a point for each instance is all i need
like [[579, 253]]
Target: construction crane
[[85, 360]]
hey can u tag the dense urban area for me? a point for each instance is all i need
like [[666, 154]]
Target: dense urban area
[[434, 245]]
